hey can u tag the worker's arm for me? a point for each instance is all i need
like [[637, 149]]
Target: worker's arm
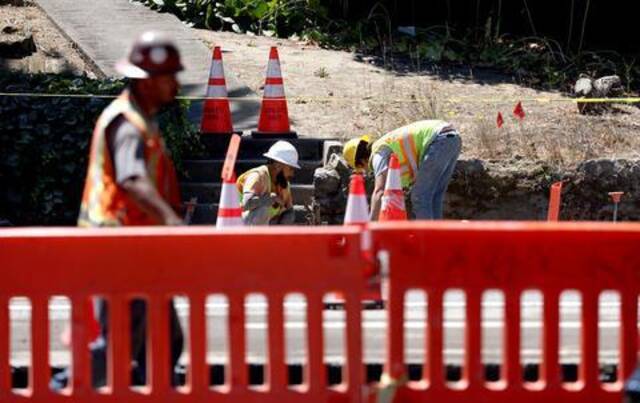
[[127, 151], [376, 197], [145, 195], [254, 195]]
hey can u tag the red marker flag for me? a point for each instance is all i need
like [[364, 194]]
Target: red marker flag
[[500, 121], [519, 112]]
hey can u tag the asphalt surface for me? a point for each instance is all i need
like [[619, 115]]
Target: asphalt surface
[[374, 326]]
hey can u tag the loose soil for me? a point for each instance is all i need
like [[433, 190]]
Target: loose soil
[[54, 52], [338, 94]]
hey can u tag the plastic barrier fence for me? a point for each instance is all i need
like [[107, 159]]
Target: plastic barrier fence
[[157, 264], [511, 258]]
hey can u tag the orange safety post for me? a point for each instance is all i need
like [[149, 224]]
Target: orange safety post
[[511, 258], [553, 214], [158, 263]]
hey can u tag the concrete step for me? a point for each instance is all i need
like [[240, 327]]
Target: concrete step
[[210, 192], [203, 171], [250, 148], [206, 213]]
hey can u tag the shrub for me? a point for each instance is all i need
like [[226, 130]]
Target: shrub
[[45, 141]]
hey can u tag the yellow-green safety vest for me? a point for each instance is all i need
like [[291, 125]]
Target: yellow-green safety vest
[[409, 143]]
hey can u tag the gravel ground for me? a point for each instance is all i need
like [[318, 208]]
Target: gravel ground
[[54, 52], [339, 94]]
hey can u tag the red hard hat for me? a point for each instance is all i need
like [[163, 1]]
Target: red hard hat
[[153, 53]]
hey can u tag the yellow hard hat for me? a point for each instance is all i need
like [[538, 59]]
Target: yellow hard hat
[[350, 148]]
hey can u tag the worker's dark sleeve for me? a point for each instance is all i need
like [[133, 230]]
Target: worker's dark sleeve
[[126, 149]]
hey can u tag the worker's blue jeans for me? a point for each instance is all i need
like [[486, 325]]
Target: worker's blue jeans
[[138, 347], [434, 175]]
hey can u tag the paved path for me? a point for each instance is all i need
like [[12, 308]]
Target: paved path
[[103, 31]]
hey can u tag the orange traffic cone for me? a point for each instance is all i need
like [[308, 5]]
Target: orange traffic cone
[[229, 210], [357, 207], [274, 115], [357, 213], [216, 115], [393, 208]]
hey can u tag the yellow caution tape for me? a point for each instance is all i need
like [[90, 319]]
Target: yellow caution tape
[[302, 99]]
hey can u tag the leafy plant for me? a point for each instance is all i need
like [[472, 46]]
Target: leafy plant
[[45, 141]]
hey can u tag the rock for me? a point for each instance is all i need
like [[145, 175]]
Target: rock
[[16, 40], [331, 184], [604, 87]]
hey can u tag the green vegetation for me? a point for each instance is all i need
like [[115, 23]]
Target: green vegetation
[[45, 142], [371, 28]]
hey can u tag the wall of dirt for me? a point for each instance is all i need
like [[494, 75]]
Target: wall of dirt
[[509, 190], [519, 190]]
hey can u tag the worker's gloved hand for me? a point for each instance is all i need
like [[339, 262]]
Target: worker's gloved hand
[[252, 201], [276, 201]]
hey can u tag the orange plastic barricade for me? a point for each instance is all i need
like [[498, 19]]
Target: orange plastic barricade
[[158, 263], [511, 258]]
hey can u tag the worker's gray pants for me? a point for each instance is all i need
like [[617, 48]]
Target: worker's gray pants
[[260, 216]]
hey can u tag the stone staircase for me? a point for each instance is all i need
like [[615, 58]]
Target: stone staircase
[[202, 178]]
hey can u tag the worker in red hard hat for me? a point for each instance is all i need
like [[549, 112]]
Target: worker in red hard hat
[[131, 179]]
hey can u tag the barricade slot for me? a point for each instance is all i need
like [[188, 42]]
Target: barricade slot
[[531, 305], [296, 333], [140, 342], [334, 336], [20, 350], [217, 339], [414, 329], [60, 334], [455, 336], [571, 334], [493, 330], [609, 325], [180, 336], [257, 341]]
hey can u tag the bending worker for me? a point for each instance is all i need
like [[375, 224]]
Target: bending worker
[[265, 191], [131, 179], [427, 151]]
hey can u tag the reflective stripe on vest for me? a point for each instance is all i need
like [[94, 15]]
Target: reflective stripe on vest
[[264, 187], [104, 203], [409, 143]]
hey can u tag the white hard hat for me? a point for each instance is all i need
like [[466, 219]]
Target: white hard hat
[[284, 152]]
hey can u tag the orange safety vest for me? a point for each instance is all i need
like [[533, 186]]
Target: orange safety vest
[[104, 202]]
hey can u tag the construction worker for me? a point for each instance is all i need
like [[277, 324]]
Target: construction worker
[[131, 179], [427, 151], [265, 191]]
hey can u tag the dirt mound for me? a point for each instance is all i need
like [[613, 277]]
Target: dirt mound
[[519, 190]]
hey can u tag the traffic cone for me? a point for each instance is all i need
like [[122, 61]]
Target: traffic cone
[[393, 208], [357, 212], [229, 210], [216, 114], [274, 115]]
